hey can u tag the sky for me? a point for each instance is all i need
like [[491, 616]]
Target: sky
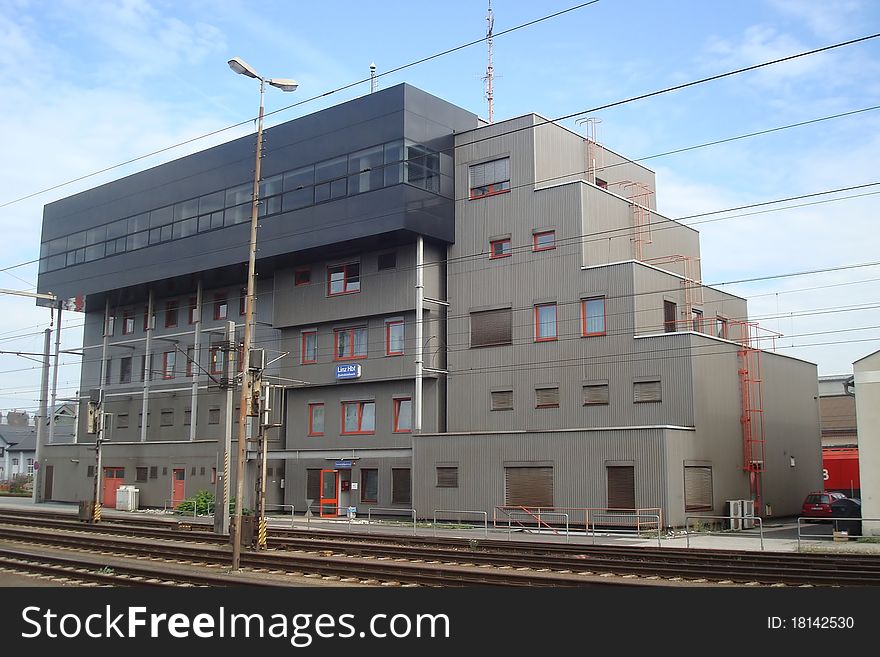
[[88, 84]]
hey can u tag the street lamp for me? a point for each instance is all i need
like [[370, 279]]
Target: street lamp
[[240, 66]]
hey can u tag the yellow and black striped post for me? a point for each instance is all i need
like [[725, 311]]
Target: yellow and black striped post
[[261, 534], [96, 512]]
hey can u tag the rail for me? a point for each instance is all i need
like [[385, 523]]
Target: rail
[[397, 512], [173, 508], [461, 513], [285, 506], [539, 516], [580, 516], [835, 533], [756, 519], [344, 511]]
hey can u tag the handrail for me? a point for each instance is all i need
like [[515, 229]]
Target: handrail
[[482, 513], [565, 516], [828, 520], [637, 516], [379, 508], [757, 519], [284, 506]]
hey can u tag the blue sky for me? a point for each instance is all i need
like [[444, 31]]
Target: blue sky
[[89, 84]]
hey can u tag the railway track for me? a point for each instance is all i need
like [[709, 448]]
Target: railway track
[[453, 562]]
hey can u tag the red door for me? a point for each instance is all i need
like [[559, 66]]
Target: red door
[[329, 496], [113, 479], [178, 492]]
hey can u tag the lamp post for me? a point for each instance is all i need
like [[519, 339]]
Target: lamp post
[[241, 67]]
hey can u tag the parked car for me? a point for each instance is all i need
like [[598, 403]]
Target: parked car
[[818, 505], [847, 508]]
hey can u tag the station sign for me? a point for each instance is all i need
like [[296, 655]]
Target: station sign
[[349, 371], [342, 464]]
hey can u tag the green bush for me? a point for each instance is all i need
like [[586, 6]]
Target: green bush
[[203, 503]]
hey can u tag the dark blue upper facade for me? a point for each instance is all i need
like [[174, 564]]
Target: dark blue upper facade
[[372, 169]]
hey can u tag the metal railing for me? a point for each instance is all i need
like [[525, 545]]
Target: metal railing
[[626, 515], [834, 522], [742, 519], [319, 507], [169, 506], [537, 516], [459, 513], [282, 507], [370, 510], [580, 516]]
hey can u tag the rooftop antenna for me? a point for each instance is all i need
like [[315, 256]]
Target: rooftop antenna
[[374, 81], [490, 19]]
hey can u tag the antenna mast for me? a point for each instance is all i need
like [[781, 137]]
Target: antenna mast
[[374, 82], [490, 19]]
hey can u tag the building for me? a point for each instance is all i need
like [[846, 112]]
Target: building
[[457, 316], [837, 411], [866, 374]]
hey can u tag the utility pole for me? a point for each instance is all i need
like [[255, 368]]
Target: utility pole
[[95, 425], [221, 496], [40, 420]]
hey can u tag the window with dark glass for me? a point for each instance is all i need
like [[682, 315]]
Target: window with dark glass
[[401, 486], [387, 260], [344, 279], [171, 314], [669, 316], [331, 179], [302, 276], [365, 170], [125, 370], [369, 484], [149, 321]]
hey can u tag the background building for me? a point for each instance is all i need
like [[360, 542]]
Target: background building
[[569, 355]]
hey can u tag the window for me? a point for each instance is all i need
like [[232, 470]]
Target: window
[[302, 277], [387, 261], [193, 315], [316, 419], [215, 355], [491, 327], [187, 417], [350, 343], [141, 419], [168, 360], [344, 279], [447, 477], [669, 316], [141, 473], [369, 485], [502, 400], [154, 472], [646, 391], [30, 466], [394, 337], [358, 417], [125, 370], [213, 475], [593, 316], [499, 248], [242, 301], [403, 415], [127, 322], [171, 314], [14, 462], [192, 472], [221, 307], [601, 183], [544, 241], [697, 320], [122, 421], [313, 485], [310, 346], [547, 397], [401, 486], [489, 178], [545, 322], [149, 320], [213, 416], [90, 471], [166, 418], [721, 327], [107, 364], [697, 488], [190, 357], [110, 325], [596, 394]]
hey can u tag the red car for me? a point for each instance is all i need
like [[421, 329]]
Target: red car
[[818, 505]]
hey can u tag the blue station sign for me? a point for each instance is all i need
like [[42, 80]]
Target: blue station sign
[[342, 463], [350, 371]]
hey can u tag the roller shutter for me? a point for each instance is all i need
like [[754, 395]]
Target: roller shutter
[[621, 487], [492, 327], [313, 485], [502, 400], [697, 488], [646, 391], [546, 397], [447, 477], [595, 394], [528, 486]]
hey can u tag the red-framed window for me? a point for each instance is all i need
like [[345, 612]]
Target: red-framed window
[[216, 357], [149, 322], [168, 360], [489, 178], [242, 301], [593, 316], [545, 322], [344, 279], [309, 349], [193, 314], [394, 337], [544, 241], [171, 308], [402, 415], [302, 276], [350, 343], [190, 356], [221, 306], [127, 322], [499, 248], [316, 419], [358, 417]]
